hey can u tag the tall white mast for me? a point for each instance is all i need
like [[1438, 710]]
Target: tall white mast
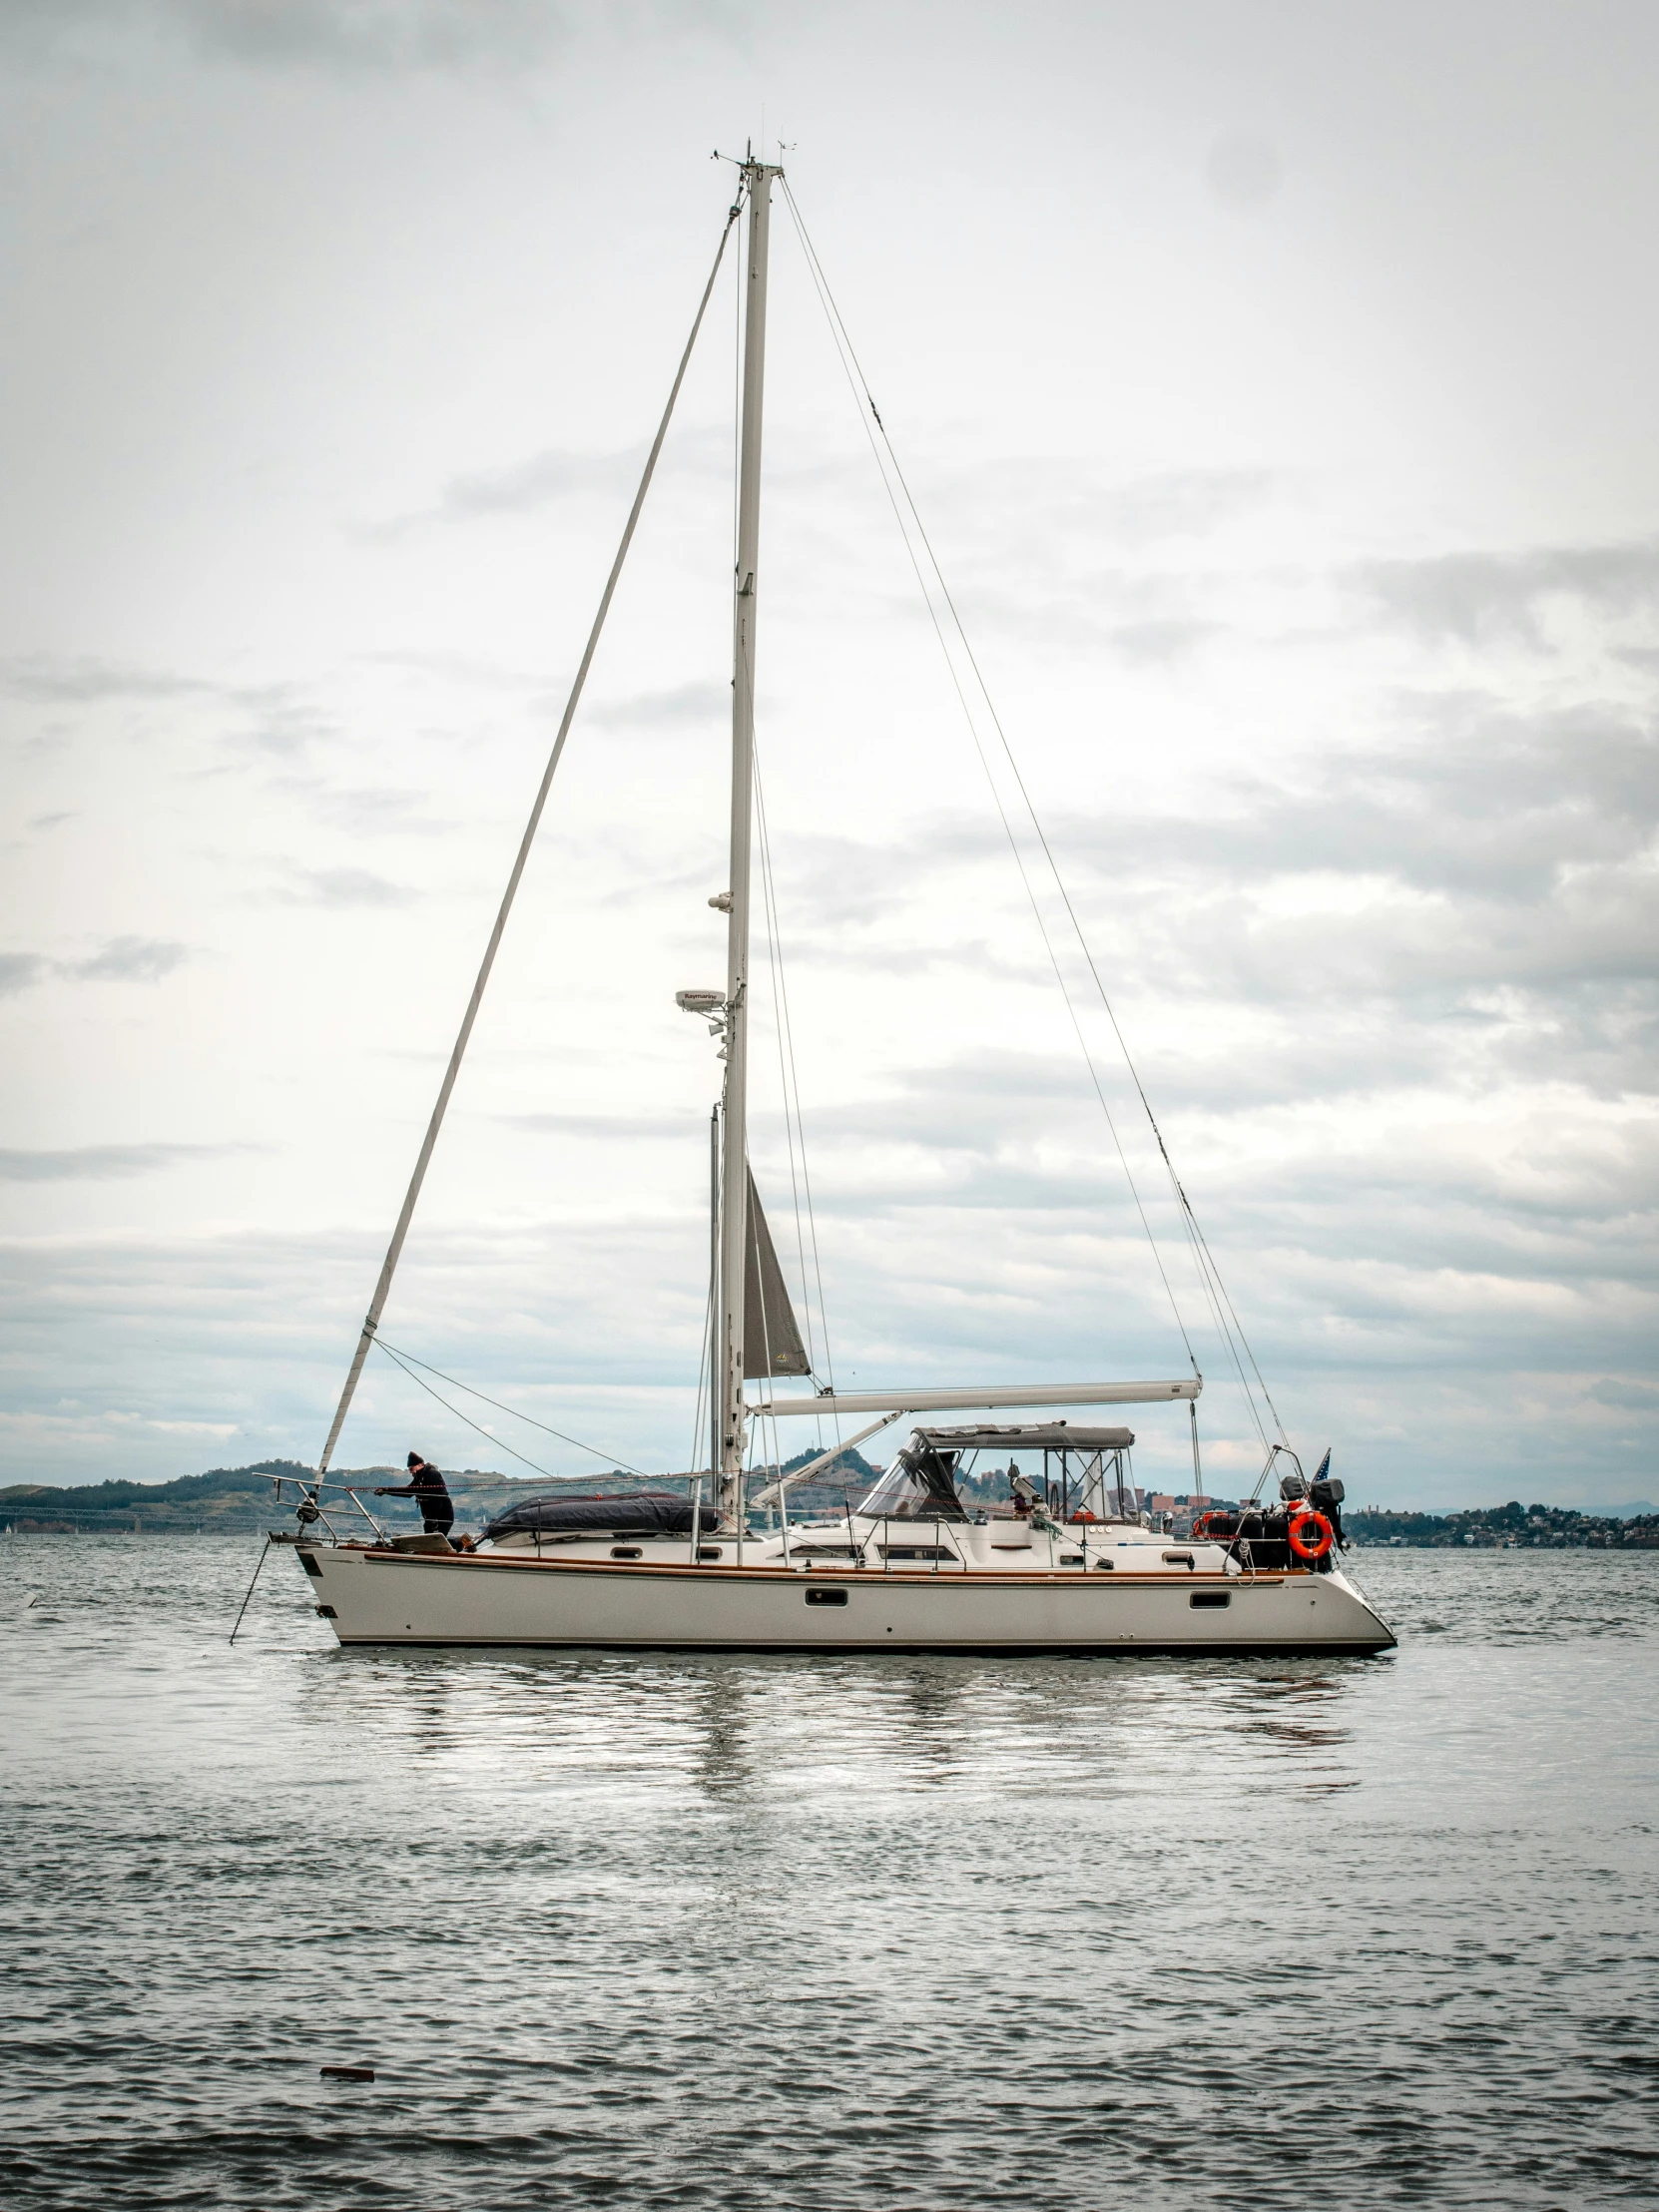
[[756, 178]]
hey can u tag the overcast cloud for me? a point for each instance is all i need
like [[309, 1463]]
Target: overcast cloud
[[1278, 391]]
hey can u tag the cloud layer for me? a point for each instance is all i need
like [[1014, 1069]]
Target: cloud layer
[[1317, 588]]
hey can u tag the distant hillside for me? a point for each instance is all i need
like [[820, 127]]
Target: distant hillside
[[233, 1498], [1511, 1527], [848, 1476], [237, 1498], [225, 1497]]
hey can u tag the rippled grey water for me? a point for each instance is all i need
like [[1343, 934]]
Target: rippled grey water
[[860, 1933]]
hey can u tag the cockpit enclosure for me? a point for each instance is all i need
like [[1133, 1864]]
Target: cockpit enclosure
[[920, 1486], [1083, 1471]]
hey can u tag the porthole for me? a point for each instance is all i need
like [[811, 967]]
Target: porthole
[[626, 1551], [825, 1597], [710, 1551], [1203, 1600]]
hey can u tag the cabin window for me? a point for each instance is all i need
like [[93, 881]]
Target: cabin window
[[626, 1551], [1202, 1601], [710, 1551], [1071, 1558], [916, 1551], [825, 1597], [1179, 1559]]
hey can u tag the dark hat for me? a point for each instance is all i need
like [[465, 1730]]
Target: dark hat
[[415, 1461]]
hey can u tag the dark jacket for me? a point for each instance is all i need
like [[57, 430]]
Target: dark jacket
[[426, 1487]]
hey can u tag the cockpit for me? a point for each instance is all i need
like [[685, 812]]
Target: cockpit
[[1084, 1472]]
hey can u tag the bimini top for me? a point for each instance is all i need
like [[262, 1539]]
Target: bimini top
[[1048, 1435]]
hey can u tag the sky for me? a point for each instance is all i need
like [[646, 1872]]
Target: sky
[[1274, 382]]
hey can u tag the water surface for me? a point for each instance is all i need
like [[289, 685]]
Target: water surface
[[864, 1933]]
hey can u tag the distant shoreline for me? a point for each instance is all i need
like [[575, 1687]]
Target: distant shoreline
[[237, 1500], [1511, 1528]]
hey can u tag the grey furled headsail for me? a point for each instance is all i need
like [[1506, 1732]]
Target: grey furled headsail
[[772, 1336]]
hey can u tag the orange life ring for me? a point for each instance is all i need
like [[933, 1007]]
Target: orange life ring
[[1202, 1530], [1324, 1535]]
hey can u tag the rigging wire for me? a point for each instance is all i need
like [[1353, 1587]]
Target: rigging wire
[[394, 1352], [769, 908], [770, 913], [1214, 1287], [854, 375], [790, 1076], [388, 1266], [460, 1417], [704, 1364]]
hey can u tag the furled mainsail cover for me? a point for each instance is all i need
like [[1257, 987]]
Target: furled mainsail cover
[[771, 1338], [639, 1513]]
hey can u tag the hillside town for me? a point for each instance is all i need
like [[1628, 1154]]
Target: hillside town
[[1507, 1528]]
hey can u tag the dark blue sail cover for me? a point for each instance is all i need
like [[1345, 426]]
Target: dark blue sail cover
[[635, 1514]]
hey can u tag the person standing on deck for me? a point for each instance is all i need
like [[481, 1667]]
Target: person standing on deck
[[426, 1487]]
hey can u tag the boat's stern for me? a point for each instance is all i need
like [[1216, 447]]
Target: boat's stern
[[1372, 1631]]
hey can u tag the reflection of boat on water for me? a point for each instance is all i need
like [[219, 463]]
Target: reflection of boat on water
[[1071, 1566]]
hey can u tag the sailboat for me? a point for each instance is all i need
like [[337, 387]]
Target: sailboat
[[1069, 1562]]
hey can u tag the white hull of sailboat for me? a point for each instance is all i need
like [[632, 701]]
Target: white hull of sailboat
[[373, 1596]]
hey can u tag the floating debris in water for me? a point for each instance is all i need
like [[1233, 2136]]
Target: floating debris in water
[[347, 2073]]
